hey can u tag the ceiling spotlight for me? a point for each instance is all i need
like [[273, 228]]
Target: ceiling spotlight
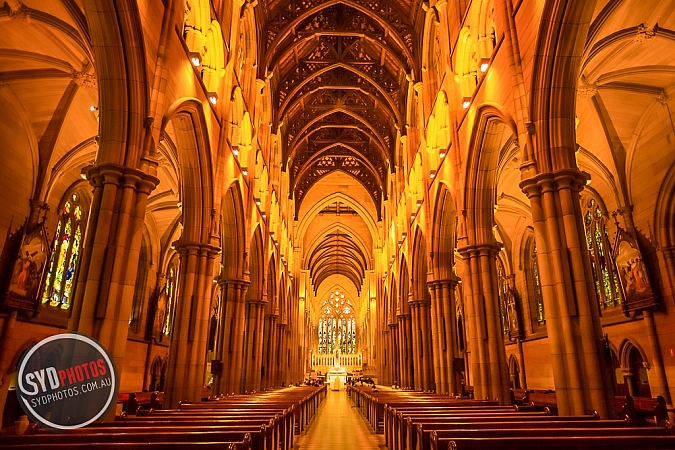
[[196, 58], [93, 108], [484, 64]]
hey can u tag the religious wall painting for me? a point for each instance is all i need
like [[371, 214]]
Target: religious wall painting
[[636, 287], [28, 271]]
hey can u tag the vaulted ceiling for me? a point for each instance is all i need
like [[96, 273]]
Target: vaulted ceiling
[[339, 71]]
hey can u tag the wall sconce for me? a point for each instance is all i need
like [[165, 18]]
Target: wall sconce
[[404, 235], [235, 151], [264, 215], [419, 203], [412, 217], [484, 64], [432, 174], [93, 108], [213, 97], [257, 200], [442, 154], [466, 102], [244, 171], [195, 58]]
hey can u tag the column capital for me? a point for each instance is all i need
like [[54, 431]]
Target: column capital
[[108, 173], [451, 282], [471, 251], [232, 282], [418, 303], [197, 247], [571, 178]]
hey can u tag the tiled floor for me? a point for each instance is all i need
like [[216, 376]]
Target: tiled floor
[[339, 426]]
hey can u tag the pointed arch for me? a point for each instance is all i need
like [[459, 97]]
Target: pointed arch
[[233, 232], [444, 234], [420, 290], [491, 131], [256, 267], [190, 131], [121, 72]]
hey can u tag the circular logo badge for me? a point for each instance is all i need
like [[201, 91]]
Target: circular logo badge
[[66, 381]]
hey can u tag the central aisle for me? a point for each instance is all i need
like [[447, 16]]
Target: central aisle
[[338, 426]]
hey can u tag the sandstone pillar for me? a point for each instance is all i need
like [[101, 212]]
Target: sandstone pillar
[[488, 357], [582, 377], [189, 334]]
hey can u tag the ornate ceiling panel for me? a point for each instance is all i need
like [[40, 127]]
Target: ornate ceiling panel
[[340, 72]]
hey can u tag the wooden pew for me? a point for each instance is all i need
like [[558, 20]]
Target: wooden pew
[[241, 438], [555, 442], [134, 446], [241, 422], [419, 439]]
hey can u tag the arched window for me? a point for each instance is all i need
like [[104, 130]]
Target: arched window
[[597, 240], [171, 289], [536, 284], [337, 325], [503, 296], [139, 287], [59, 284]]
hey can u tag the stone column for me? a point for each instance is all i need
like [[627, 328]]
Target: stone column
[[451, 350], [255, 310], [422, 353], [582, 377], [394, 354], [427, 346], [187, 354], [440, 374], [107, 274], [409, 365], [415, 344], [231, 339], [270, 350], [488, 357], [282, 357], [403, 344]]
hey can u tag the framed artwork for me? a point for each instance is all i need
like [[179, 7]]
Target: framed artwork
[[28, 271], [636, 287]]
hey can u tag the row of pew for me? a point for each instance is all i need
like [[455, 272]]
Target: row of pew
[[263, 421], [412, 420]]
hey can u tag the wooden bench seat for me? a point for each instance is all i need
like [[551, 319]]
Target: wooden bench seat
[[134, 446], [559, 442], [420, 437], [139, 438]]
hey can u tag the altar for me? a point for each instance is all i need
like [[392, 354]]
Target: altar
[[336, 378]]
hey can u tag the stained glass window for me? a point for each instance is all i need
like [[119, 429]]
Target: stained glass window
[[59, 284], [502, 294], [337, 325], [604, 274], [171, 291], [536, 284]]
